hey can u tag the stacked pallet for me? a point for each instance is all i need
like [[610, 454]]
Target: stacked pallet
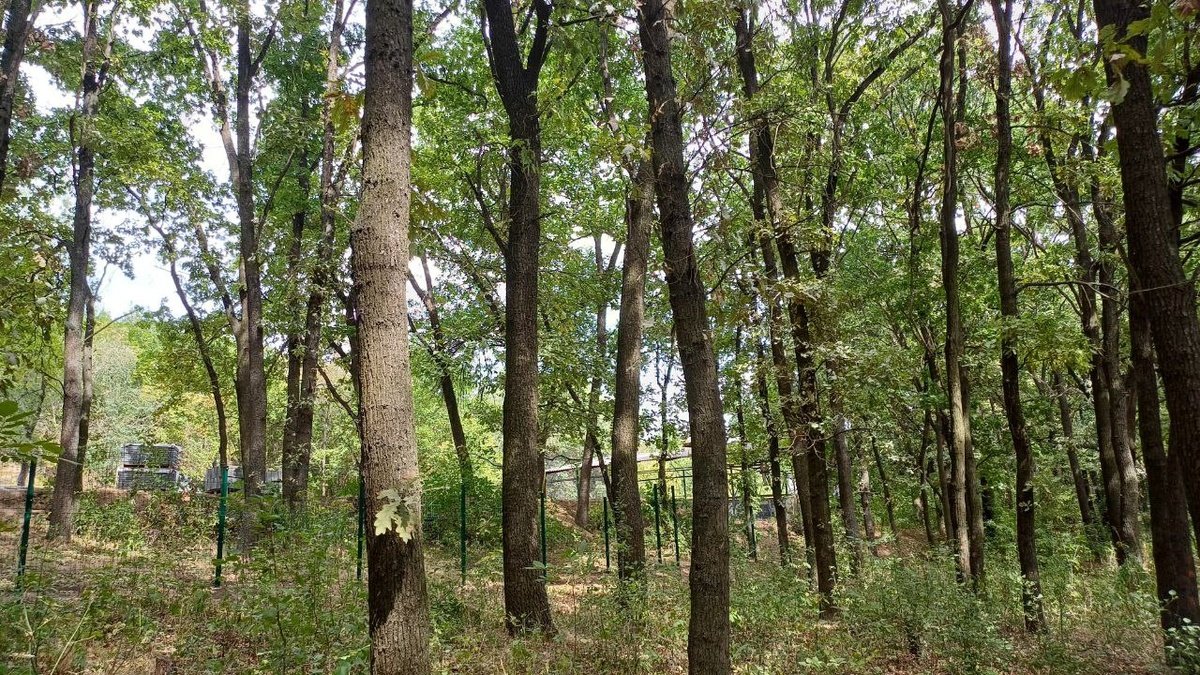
[[150, 467]]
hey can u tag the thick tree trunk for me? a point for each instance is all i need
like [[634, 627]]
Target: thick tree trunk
[[1169, 296], [397, 604], [1010, 366], [626, 498], [709, 626], [65, 500], [1174, 564], [251, 372], [527, 607]]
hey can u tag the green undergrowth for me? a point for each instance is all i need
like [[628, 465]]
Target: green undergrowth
[[134, 592]]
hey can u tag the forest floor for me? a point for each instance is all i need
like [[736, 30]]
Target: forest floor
[[133, 594]]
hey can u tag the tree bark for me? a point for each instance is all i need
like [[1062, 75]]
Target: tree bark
[[626, 498], [864, 498], [85, 418], [959, 420], [845, 478], [766, 205], [1174, 564], [1152, 238], [396, 596], [527, 607], [95, 66], [709, 625], [1083, 492], [888, 503], [1010, 366]]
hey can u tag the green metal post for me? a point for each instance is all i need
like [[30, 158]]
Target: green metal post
[[657, 530], [607, 559], [222, 505], [543, 535], [362, 522], [24, 549], [675, 523], [462, 529]]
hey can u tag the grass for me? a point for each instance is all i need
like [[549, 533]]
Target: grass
[[132, 594]]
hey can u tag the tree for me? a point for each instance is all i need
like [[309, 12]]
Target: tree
[[76, 390], [396, 595], [525, 602], [1031, 592], [708, 627], [1168, 294]]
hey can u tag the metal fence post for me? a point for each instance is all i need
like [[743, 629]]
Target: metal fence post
[[657, 532], [607, 559], [222, 506], [24, 548], [675, 523], [462, 529], [542, 518]]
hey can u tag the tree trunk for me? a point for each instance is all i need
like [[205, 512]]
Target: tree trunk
[[864, 499], [1083, 492], [85, 422], [1125, 523], [764, 402], [16, 34], [923, 472], [397, 604], [766, 205], [526, 605], [1174, 565], [626, 498], [1010, 366], [709, 625], [1170, 297], [888, 502], [846, 493], [295, 339], [591, 442], [65, 500]]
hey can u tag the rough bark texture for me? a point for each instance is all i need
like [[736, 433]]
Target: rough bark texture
[[1169, 296], [1174, 564], [708, 628], [396, 597], [1124, 522], [1010, 365], [959, 436], [64, 501], [85, 418], [626, 498], [526, 605]]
